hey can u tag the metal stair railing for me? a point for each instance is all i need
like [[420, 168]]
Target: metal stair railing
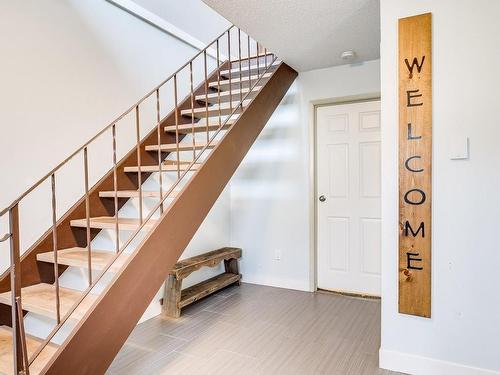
[[20, 357]]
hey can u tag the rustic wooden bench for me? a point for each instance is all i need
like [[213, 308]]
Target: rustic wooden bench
[[175, 298]]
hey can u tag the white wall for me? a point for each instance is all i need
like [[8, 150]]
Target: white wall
[[271, 190], [463, 334], [193, 16]]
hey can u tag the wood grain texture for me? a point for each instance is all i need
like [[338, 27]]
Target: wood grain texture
[[78, 257], [415, 164], [32, 344], [205, 288], [187, 266], [255, 329], [41, 299], [175, 299]]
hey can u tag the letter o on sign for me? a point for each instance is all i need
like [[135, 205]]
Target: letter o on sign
[[415, 203]]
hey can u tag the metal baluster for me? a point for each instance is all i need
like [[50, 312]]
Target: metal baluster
[[176, 127], [115, 187], [230, 74], [158, 116], [239, 62], [139, 172], [218, 83], [249, 71], [206, 93], [87, 213], [258, 58], [192, 108], [54, 247], [265, 57], [15, 287], [23, 337]]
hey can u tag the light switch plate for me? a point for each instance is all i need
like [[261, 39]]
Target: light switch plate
[[458, 147]]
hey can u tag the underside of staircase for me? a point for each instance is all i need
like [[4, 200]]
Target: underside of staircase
[[235, 101]]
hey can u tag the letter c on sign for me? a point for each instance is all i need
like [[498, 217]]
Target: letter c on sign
[[407, 164], [415, 203]]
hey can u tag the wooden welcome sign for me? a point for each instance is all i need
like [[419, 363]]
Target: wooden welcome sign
[[415, 161]]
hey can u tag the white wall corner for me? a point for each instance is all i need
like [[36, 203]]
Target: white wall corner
[[149, 17], [417, 365]]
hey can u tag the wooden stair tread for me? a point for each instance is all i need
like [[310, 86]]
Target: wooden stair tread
[[225, 109], [108, 222], [244, 81], [32, 344], [171, 147], [165, 168], [226, 96], [253, 69], [211, 259], [41, 299], [135, 194], [78, 257], [199, 127], [205, 288]]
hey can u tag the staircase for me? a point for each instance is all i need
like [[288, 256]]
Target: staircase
[[190, 151]]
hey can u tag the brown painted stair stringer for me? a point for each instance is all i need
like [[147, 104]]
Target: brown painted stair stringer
[[100, 334]]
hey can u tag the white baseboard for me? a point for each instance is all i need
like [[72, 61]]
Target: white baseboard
[[277, 283], [417, 365]]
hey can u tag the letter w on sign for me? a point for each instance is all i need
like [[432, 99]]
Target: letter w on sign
[[415, 164], [414, 64]]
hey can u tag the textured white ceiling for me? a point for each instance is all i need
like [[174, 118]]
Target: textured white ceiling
[[308, 34]]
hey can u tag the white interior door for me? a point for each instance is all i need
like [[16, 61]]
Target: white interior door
[[348, 197]]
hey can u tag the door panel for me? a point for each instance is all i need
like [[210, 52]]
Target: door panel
[[348, 177]]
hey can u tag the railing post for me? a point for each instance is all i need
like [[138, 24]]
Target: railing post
[[54, 247], [249, 70], [258, 58], [176, 127], [239, 62], [230, 70], [206, 93], [218, 83], [139, 172], [24, 349], [115, 188], [158, 120], [193, 141], [15, 287], [87, 213]]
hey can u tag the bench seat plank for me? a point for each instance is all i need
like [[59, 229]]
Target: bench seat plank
[[187, 266]]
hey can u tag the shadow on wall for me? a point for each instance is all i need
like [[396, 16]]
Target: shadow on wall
[[268, 182]]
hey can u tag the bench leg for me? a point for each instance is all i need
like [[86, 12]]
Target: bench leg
[[231, 266], [172, 297]]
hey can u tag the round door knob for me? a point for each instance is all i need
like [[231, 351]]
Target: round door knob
[[322, 198]]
